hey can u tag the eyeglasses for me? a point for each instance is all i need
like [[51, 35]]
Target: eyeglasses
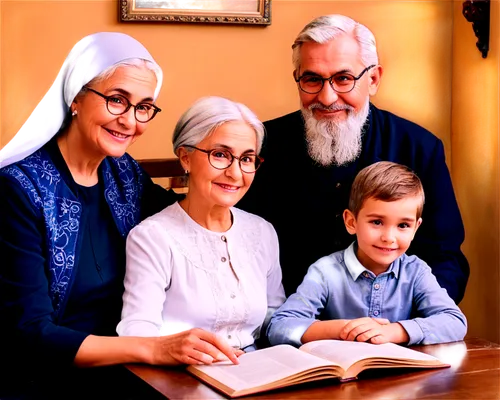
[[341, 82], [118, 105], [223, 159]]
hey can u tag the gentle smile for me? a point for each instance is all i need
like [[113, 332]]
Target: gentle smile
[[230, 188], [328, 111], [117, 134], [385, 249]]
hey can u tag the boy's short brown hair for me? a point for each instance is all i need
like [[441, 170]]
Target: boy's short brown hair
[[386, 181]]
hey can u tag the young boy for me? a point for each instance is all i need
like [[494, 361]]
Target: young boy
[[372, 291]]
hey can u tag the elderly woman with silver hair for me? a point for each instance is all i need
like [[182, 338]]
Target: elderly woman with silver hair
[[70, 195], [201, 268]]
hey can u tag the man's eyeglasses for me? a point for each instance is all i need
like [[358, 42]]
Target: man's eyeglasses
[[118, 105], [222, 159], [341, 82]]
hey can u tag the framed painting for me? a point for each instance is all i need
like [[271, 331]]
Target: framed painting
[[251, 12]]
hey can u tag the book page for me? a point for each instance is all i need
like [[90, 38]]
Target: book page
[[261, 367], [346, 353]]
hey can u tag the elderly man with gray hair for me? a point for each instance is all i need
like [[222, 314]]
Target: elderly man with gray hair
[[313, 155]]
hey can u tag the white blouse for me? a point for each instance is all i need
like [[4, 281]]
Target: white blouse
[[181, 276]]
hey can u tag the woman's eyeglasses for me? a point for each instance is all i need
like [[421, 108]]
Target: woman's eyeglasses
[[222, 159], [118, 105]]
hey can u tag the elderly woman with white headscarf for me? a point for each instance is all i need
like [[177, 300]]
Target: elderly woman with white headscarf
[[70, 195]]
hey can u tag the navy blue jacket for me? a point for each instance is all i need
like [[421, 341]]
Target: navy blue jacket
[[63, 254], [305, 201]]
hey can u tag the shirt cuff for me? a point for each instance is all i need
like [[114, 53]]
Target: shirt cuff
[[414, 331], [62, 346], [289, 331]]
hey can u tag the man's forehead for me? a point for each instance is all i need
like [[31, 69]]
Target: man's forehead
[[339, 54]]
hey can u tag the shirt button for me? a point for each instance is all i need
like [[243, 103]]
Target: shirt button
[[223, 259], [223, 238], [375, 313], [229, 336], [338, 185], [376, 286], [233, 295]]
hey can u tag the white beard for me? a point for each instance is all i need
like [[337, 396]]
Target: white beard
[[331, 142]]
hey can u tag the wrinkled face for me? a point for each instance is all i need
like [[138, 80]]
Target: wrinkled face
[[215, 187], [102, 133], [384, 230], [337, 55]]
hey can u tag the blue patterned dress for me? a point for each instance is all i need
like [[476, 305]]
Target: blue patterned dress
[[62, 252]]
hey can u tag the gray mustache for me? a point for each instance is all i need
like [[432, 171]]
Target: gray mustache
[[330, 108]]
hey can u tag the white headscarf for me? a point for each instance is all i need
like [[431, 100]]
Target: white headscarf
[[89, 57]]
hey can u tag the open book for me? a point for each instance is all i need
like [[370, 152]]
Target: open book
[[284, 365]]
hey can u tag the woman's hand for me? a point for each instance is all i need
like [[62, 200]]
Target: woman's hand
[[238, 352], [195, 346]]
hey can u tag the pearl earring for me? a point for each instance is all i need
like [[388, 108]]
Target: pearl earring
[[187, 172], [74, 113]]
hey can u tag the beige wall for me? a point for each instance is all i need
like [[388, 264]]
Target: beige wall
[[475, 166], [249, 64]]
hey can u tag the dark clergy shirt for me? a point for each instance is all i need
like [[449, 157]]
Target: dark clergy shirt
[[304, 201]]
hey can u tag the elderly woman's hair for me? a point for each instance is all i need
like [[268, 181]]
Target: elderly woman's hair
[[206, 115], [328, 27], [132, 62]]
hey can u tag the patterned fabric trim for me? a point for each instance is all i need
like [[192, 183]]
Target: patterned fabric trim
[[62, 211]]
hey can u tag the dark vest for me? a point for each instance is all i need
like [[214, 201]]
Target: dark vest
[[123, 181]]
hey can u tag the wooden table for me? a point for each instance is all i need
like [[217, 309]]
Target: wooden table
[[474, 374]]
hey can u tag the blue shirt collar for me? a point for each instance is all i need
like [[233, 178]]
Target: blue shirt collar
[[355, 268]]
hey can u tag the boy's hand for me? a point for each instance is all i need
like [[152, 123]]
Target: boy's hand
[[362, 329], [374, 330], [393, 333]]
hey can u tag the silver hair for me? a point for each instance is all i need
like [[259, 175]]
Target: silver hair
[[131, 62], [328, 27], [206, 115]]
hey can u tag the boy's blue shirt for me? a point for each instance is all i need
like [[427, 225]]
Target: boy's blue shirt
[[339, 287]]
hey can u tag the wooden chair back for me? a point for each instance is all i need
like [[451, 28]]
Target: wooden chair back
[[167, 172]]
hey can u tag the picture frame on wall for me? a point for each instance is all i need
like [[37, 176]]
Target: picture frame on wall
[[249, 12]]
